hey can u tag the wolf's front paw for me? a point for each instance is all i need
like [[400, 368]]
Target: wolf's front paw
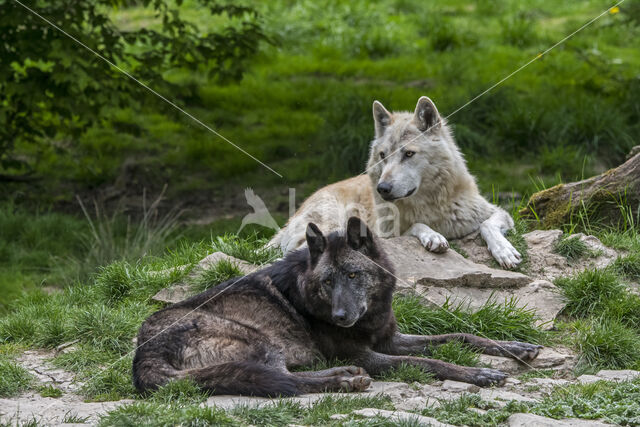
[[355, 383], [485, 377], [519, 350], [506, 255], [434, 241]]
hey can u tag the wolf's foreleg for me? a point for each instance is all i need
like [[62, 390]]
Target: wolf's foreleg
[[430, 239], [377, 363], [403, 344], [493, 230]]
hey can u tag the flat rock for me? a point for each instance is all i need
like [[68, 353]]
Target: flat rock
[[459, 387], [451, 277], [52, 411], [622, 375], [399, 416], [588, 379], [560, 359], [414, 265], [544, 263], [181, 291], [502, 396], [526, 420]]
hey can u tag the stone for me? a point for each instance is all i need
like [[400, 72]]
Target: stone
[[399, 416], [181, 291], [438, 278], [52, 411], [502, 397], [560, 359], [544, 263], [622, 375], [588, 379], [527, 420], [459, 387]]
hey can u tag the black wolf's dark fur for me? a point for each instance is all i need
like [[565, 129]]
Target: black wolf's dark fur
[[243, 336]]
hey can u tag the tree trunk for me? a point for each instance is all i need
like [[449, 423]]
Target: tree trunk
[[611, 198]]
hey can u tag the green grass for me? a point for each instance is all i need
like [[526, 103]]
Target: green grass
[[49, 391], [14, 379], [605, 343], [616, 403], [628, 266], [537, 373], [223, 270], [456, 352], [407, 374], [458, 411], [305, 102], [493, 320], [250, 248], [283, 412], [590, 292]]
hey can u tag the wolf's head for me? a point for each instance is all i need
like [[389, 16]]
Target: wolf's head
[[348, 275], [410, 150]]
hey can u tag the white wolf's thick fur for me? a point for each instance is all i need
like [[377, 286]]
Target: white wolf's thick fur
[[417, 183]]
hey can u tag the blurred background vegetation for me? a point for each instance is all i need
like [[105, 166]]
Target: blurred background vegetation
[[291, 82]]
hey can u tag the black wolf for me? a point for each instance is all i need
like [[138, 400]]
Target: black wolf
[[330, 300]]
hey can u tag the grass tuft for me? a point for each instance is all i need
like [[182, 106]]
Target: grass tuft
[[572, 248], [251, 248], [407, 374], [222, 271], [590, 291], [497, 321], [456, 352], [49, 391], [605, 344], [14, 379]]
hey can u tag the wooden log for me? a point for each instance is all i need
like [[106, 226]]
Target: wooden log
[[611, 198]]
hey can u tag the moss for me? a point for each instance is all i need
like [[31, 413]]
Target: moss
[[548, 207]]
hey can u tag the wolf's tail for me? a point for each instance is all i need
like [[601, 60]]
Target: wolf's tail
[[239, 378]]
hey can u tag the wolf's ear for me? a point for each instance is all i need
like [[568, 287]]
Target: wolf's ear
[[359, 237], [426, 116], [381, 118], [316, 242]]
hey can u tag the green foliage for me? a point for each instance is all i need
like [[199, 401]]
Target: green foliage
[[457, 411], [456, 352], [616, 403], [13, 377], [181, 392], [222, 271], [68, 88], [493, 320]]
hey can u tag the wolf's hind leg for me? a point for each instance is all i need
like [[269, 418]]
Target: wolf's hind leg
[[493, 231], [403, 344], [430, 239]]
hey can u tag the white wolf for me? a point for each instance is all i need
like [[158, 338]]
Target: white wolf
[[417, 183]]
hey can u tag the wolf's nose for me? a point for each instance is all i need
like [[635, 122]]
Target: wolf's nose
[[384, 188], [339, 315]]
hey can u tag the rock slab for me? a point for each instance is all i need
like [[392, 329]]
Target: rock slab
[[449, 276]]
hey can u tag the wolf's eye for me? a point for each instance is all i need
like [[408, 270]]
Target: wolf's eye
[[409, 153], [381, 155], [327, 282], [352, 275]]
